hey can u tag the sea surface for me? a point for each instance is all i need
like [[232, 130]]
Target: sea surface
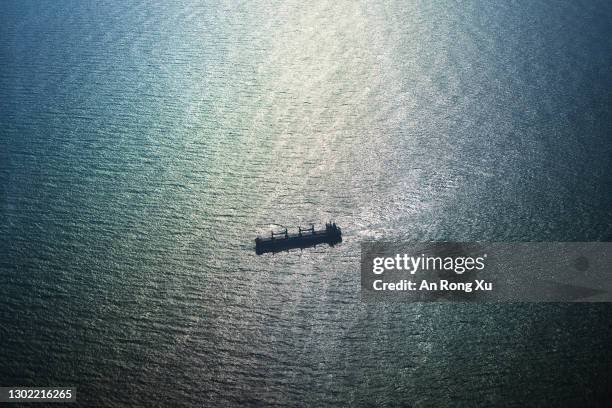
[[144, 145]]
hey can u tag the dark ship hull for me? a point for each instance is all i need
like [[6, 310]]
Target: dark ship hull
[[331, 235]]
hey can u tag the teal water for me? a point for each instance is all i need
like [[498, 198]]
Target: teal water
[[143, 146]]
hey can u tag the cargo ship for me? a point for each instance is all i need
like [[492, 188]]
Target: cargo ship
[[304, 238]]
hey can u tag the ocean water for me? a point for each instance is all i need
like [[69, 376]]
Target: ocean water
[[144, 145]]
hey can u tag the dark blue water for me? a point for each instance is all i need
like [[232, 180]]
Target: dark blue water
[[143, 146]]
